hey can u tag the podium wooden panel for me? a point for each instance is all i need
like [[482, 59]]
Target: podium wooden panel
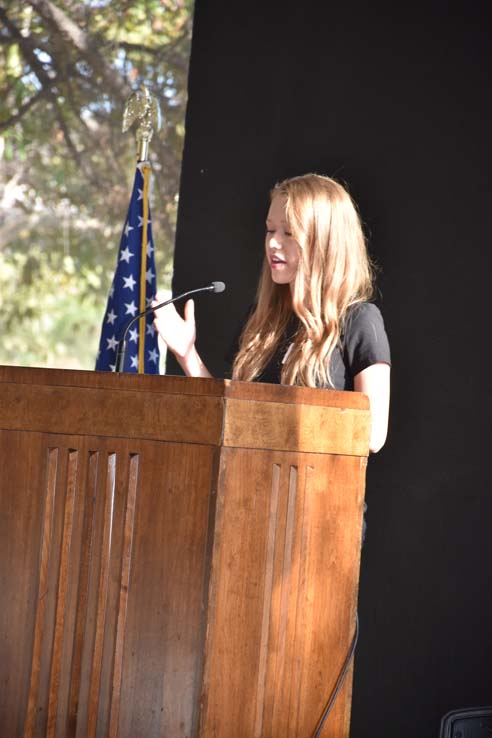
[[179, 558]]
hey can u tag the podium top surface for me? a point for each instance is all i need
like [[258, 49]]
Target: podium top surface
[[184, 386], [184, 410]]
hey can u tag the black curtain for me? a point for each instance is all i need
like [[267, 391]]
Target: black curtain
[[394, 101]]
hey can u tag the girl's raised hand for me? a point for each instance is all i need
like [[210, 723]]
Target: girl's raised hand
[[177, 333]]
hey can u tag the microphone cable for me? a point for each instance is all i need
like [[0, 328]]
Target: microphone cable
[[340, 680]]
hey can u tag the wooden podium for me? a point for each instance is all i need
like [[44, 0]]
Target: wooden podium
[[179, 557]]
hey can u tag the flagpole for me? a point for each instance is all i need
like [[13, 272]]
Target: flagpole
[[145, 169], [143, 106], [135, 265]]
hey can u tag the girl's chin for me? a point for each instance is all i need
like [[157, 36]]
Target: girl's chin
[[281, 278]]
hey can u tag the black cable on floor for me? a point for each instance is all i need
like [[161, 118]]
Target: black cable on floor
[[340, 680]]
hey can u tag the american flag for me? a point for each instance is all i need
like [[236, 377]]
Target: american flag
[[134, 286]]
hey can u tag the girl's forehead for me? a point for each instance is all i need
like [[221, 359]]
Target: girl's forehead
[[277, 210]]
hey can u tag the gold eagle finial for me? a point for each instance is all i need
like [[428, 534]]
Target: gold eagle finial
[[143, 107]]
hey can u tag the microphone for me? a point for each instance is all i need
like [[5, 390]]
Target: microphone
[[214, 287]]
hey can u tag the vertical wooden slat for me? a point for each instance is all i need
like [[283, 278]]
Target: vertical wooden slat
[[61, 605], [281, 672], [87, 545], [301, 606], [52, 464], [93, 700], [123, 597], [267, 599]]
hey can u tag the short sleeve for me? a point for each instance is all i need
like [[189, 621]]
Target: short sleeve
[[365, 340]]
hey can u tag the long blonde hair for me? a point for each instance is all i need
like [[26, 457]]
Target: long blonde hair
[[334, 272]]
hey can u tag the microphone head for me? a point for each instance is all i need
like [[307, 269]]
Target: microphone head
[[218, 286]]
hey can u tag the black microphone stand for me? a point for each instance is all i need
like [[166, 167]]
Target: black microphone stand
[[121, 349]]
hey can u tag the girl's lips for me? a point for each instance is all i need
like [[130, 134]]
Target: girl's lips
[[276, 261]]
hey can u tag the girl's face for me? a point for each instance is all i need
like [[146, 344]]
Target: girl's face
[[282, 250]]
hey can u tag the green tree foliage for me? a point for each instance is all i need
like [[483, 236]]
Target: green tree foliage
[[67, 68]]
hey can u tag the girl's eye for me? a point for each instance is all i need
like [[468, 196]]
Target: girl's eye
[[286, 233]]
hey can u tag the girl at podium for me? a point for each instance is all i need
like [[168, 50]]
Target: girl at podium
[[313, 323]]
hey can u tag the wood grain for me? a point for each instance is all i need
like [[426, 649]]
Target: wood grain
[[115, 414], [102, 597], [179, 557], [267, 600], [290, 427], [123, 595], [309, 600], [63, 585], [47, 533], [151, 384], [81, 593]]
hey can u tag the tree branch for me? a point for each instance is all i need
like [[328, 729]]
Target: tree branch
[[27, 50], [59, 21], [172, 57], [16, 117], [49, 86]]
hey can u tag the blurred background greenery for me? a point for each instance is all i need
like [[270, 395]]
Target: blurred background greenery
[[66, 169]]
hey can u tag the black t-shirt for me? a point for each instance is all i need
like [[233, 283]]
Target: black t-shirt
[[363, 342]]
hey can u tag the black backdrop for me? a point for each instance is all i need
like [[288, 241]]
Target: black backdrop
[[395, 101]]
